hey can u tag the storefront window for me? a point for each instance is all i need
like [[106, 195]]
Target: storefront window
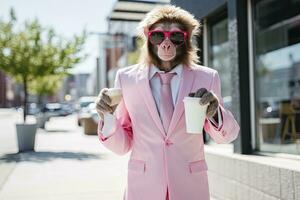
[[219, 56], [277, 74]]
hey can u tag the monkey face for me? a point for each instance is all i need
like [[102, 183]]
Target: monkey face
[[167, 41], [166, 51]]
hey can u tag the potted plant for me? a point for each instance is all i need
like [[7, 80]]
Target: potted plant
[[29, 55]]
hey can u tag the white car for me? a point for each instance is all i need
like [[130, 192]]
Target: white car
[[84, 109]]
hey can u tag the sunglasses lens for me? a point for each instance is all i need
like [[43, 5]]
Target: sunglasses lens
[[177, 37], [157, 37]]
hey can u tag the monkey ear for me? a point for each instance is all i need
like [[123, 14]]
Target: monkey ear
[[146, 31]]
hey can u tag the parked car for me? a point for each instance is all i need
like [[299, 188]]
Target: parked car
[[83, 107], [66, 109], [33, 109], [89, 120], [52, 109]]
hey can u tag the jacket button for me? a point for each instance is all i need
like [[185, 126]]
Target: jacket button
[[168, 142]]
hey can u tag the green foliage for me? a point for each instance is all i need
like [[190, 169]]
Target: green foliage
[[47, 85], [35, 51], [133, 56], [34, 55]]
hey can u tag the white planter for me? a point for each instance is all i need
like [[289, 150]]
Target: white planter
[[26, 136]]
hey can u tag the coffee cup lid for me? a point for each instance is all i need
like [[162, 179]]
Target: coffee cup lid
[[191, 98]]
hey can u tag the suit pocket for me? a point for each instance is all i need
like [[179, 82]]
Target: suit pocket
[[197, 166], [137, 165]]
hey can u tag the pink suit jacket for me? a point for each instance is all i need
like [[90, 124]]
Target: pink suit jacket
[[160, 161]]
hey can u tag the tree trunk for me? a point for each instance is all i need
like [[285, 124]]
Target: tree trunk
[[25, 98], [40, 101]]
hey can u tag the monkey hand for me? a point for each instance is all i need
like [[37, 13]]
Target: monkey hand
[[103, 103], [207, 97]]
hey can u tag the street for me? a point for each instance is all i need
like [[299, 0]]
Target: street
[[66, 164]]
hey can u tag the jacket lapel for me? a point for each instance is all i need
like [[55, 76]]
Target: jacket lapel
[[185, 88], [143, 86]]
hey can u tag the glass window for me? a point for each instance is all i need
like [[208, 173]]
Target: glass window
[[219, 57], [277, 74]]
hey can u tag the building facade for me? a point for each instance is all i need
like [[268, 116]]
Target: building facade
[[10, 92], [122, 23], [254, 45]]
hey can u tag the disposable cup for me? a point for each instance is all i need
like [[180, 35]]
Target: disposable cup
[[195, 115], [115, 95]]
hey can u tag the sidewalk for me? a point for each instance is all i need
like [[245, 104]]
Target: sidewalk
[[66, 165]]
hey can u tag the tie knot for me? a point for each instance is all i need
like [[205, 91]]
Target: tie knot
[[165, 78]]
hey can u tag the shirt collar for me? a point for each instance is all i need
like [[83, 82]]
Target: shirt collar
[[154, 69]]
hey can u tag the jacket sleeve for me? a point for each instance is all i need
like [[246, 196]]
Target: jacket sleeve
[[229, 129], [118, 137], [218, 123]]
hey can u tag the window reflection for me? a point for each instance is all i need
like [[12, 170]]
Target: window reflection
[[219, 57], [277, 72]]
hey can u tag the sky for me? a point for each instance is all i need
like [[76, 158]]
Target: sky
[[67, 17]]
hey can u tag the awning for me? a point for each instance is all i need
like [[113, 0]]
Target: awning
[[133, 10]]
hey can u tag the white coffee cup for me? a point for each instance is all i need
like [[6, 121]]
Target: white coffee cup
[[195, 115], [115, 95]]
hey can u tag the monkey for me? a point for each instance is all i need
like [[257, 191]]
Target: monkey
[[167, 66], [185, 53], [178, 53]]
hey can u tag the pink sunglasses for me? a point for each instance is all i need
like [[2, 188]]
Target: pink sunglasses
[[176, 37]]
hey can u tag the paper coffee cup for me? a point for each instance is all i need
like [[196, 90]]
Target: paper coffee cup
[[195, 115], [115, 95]]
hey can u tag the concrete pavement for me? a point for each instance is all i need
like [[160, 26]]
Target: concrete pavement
[[66, 164]]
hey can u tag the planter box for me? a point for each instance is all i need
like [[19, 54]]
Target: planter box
[[26, 136], [89, 126]]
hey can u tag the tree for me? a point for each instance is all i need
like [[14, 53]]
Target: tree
[[133, 57], [34, 52], [47, 85]]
